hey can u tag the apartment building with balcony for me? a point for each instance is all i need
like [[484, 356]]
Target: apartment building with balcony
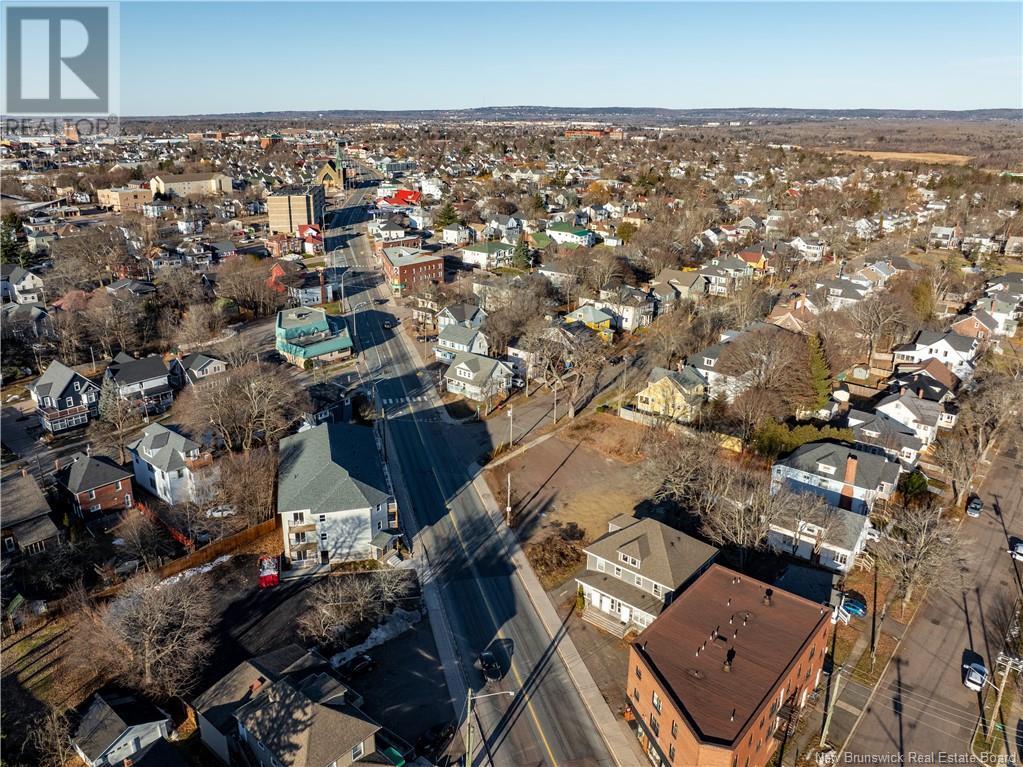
[[64, 398]]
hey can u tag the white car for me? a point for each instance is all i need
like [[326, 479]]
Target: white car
[[1016, 552], [975, 677]]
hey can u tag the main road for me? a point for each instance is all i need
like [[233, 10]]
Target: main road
[[921, 708], [485, 603]]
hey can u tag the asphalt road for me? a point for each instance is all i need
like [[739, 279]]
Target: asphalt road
[[484, 601], [921, 705]]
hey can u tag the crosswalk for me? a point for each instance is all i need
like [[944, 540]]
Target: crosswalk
[[404, 400]]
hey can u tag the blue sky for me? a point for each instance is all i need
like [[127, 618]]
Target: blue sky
[[186, 58]]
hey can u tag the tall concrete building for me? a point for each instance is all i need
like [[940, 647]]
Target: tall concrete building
[[292, 206]]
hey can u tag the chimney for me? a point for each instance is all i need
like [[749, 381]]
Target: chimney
[[323, 286], [24, 471], [920, 393], [902, 390], [56, 464], [845, 502]]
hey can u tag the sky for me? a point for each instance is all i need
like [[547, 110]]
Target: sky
[[193, 58]]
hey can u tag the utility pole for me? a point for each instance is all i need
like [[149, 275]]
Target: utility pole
[[507, 508], [555, 402], [511, 426], [1011, 663], [468, 727]]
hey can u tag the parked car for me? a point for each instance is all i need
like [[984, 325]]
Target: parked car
[[1016, 552], [357, 666], [854, 606], [975, 676], [489, 666], [975, 506], [432, 743], [388, 324]]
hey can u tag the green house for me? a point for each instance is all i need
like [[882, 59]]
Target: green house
[[305, 334]]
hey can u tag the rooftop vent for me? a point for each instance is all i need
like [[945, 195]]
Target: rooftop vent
[[767, 598]]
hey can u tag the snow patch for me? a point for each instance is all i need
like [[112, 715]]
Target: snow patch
[[397, 623], [195, 570]]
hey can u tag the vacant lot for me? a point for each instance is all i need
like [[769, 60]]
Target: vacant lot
[[938, 158], [586, 475]]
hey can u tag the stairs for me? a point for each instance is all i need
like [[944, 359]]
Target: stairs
[[603, 621]]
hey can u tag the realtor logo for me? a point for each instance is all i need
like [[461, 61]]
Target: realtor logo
[[59, 59]]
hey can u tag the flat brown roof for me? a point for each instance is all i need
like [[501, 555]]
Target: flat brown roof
[[723, 615]]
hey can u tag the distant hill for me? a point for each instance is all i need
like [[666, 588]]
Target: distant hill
[[609, 115]]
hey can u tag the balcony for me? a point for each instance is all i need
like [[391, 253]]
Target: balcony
[[205, 460], [301, 527], [52, 413]]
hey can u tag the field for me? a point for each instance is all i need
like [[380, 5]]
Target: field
[[936, 158]]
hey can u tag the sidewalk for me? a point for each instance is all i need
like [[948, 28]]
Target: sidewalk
[[617, 736]]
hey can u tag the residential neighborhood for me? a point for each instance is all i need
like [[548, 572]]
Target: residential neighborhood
[[535, 435]]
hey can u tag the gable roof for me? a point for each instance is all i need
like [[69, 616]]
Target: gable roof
[[480, 367], [108, 716], [331, 467], [85, 472], [128, 370], [871, 469], [56, 379], [667, 556], [26, 511]]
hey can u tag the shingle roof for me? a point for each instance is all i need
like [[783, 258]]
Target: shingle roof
[[56, 379], [871, 469], [166, 448], [666, 555], [128, 370], [89, 472], [331, 467], [108, 716], [26, 511]]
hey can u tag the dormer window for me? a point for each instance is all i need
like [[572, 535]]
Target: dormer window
[[823, 468], [708, 362], [78, 386], [631, 561]]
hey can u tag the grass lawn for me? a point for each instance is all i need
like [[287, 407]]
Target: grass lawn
[[334, 307]]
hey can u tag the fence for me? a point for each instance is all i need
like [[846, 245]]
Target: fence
[[726, 441]]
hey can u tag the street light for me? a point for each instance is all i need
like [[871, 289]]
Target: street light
[[469, 698]]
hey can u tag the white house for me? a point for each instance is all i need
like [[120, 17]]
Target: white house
[[456, 234], [565, 233], [630, 308], [117, 727], [145, 382], [922, 415], [457, 339], [20, 285], [476, 377], [333, 497], [810, 250], [170, 466], [830, 537], [487, 255], [954, 351], [843, 476]]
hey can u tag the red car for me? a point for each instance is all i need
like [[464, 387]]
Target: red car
[[269, 572]]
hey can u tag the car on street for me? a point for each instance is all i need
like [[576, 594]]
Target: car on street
[[974, 676], [357, 666], [1016, 552], [489, 666], [432, 743], [975, 506]]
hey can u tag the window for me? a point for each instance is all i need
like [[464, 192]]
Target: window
[[655, 726], [823, 468], [674, 729], [657, 590], [635, 694], [92, 495], [69, 402], [323, 536], [96, 507], [357, 752], [9, 545], [323, 517], [628, 560], [655, 699], [671, 753], [639, 579], [639, 673], [298, 516], [618, 572], [78, 386], [117, 485], [840, 558]]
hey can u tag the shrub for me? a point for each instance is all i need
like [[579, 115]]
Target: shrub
[[772, 438]]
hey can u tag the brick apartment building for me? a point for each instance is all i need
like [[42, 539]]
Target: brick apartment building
[[408, 267], [719, 679]]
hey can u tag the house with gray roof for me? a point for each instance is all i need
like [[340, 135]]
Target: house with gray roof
[[116, 727], [915, 411], [20, 285], [333, 497], [673, 285], [466, 315], [954, 351], [635, 570], [64, 398], [26, 525], [194, 368], [145, 381], [877, 433], [93, 485], [476, 377], [171, 466], [457, 339], [823, 535], [218, 708], [843, 475]]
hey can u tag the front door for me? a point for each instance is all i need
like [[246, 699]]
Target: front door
[[605, 602], [626, 613]]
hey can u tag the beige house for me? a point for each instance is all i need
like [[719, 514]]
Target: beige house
[[124, 199], [672, 395], [191, 184], [292, 206]]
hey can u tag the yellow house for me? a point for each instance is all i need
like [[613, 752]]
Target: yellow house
[[595, 319], [672, 395]]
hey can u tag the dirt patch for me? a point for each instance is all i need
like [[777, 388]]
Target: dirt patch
[[554, 559], [610, 435], [562, 482], [936, 158]]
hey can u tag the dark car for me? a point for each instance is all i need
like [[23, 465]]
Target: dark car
[[381, 301], [273, 358], [490, 667], [357, 666], [432, 743]]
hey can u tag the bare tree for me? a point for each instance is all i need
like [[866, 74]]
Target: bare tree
[[155, 635], [200, 323], [143, 539], [341, 603], [50, 739], [875, 318], [920, 552], [254, 498]]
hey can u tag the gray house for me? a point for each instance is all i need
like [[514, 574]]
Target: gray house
[[298, 687], [454, 339], [333, 497], [635, 570], [117, 727]]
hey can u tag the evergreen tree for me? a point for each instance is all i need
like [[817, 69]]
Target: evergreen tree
[[446, 216], [520, 256], [820, 373]]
